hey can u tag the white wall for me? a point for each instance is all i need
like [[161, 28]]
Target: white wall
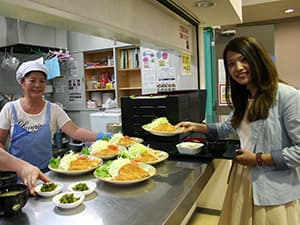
[[287, 51]]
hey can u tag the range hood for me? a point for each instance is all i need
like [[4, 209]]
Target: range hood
[[27, 38]]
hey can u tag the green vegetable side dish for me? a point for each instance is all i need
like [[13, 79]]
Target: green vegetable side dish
[[47, 187], [80, 187], [68, 198]]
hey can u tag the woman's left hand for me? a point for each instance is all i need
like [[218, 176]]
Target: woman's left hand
[[245, 157]]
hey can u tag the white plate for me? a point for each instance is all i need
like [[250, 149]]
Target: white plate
[[91, 186], [79, 195], [58, 189], [107, 156], [161, 157], [135, 139], [150, 169], [75, 172], [163, 133]]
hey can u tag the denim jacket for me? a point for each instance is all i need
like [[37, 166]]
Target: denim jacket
[[279, 135]]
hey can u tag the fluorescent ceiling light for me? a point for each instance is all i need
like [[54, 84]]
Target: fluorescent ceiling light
[[204, 4], [289, 10], [256, 2]]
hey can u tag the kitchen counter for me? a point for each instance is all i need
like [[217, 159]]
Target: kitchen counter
[[166, 198]]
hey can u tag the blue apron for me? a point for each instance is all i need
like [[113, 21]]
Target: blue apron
[[34, 147]]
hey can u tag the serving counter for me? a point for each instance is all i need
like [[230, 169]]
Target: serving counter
[[166, 198]]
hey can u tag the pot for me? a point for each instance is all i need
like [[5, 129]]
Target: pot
[[13, 198], [8, 178], [4, 60], [12, 62]]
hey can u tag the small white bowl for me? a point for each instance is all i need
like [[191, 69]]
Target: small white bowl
[[189, 148], [91, 186], [56, 200], [58, 189]]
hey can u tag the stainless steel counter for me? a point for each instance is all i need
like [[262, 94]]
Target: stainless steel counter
[[166, 198]]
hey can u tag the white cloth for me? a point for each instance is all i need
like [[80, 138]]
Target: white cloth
[[32, 122], [239, 209], [30, 66]]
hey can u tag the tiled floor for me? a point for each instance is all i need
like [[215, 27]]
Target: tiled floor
[[204, 217]]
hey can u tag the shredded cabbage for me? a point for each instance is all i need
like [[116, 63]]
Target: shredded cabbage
[[65, 162], [116, 165], [98, 146], [134, 151], [115, 139], [157, 122]]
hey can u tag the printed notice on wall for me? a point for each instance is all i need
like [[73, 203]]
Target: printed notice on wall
[[186, 63], [148, 68], [222, 95], [221, 70], [75, 90], [184, 36]]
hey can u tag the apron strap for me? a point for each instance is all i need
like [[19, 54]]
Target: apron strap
[[48, 112], [14, 113]]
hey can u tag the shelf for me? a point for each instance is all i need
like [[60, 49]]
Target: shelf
[[104, 89], [129, 69], [98, 67], [130, 88]]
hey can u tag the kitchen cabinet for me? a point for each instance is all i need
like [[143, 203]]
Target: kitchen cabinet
[[99, 74], [128, 71]]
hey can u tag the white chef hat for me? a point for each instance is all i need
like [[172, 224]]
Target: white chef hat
[[30, 66]]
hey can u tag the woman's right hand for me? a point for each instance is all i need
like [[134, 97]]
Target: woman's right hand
[[192, 127], [186, 125]]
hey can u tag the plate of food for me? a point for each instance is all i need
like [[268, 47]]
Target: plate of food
[[86, 187], [124, 171], [103, 149], [74, 163], [162, 127], [124, 140], [48, 189], [68, 200], [141, 153]]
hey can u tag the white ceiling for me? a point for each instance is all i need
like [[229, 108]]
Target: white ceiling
[[253, 11]]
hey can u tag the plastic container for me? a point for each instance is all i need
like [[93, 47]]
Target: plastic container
[[189, 148]]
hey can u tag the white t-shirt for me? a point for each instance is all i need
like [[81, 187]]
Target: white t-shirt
[[32, 122], [245, 134]]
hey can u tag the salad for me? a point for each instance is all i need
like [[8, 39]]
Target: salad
[[139, 153], [121, 170], [103, 148], [124, 140], [160, 124], [74, 161]]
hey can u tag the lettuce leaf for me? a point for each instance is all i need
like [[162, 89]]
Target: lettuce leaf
[[54, 162]]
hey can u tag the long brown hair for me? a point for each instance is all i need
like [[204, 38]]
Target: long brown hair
[[264, 77]]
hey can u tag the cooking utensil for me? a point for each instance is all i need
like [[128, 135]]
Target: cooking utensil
[[4, 60], [12, 62]]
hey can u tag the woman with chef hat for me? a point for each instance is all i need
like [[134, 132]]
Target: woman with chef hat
[[31, 121]]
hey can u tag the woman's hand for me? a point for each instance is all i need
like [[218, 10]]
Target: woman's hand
[[245, 157], [192, 127], [30, 174]]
